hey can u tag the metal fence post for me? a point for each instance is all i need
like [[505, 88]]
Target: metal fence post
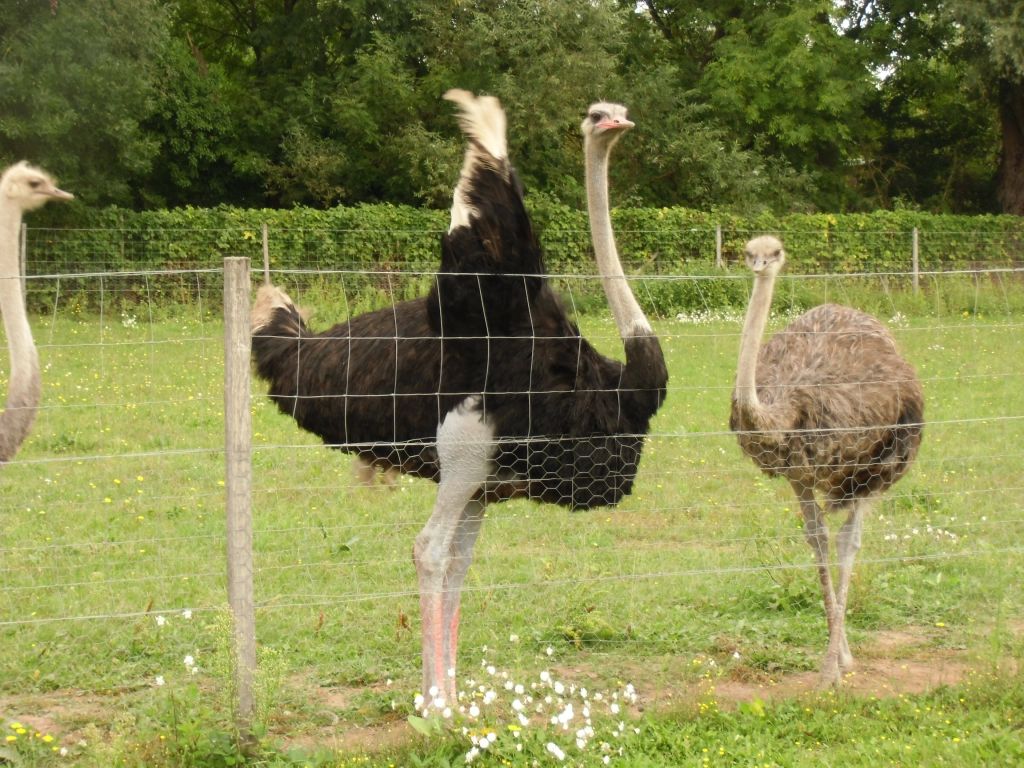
[[23, 259], [238, 482], [266, 254], [914, 263]]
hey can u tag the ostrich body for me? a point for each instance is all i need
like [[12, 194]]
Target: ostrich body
[[22, 188], [831, 405], [485, 385]]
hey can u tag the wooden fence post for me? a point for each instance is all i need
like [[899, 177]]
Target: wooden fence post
[[718, 246], [238, 483]]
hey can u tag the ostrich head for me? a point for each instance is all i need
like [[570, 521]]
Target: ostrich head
[[605, 123], [29, 188], [765, 255]]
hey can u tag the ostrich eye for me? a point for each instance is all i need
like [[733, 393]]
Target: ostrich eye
[[596, 116], [35, 183]]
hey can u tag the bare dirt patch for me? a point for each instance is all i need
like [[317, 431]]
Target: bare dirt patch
[[352, 719]]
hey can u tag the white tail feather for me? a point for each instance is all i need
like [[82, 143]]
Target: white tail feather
[[482, 120]]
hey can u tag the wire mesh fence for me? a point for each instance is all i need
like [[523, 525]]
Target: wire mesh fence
[[112, 558]]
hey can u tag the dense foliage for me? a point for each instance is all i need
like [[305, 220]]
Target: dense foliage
[[791, 105]]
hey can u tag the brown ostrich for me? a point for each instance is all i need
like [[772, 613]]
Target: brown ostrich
[[831, 405], [22, 188], [484, 386]]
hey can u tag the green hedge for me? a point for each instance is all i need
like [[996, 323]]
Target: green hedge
[[389, 240], [388, 236]]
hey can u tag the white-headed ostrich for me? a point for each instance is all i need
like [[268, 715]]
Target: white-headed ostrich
[[831, 405], [485, 385], [22, 188]]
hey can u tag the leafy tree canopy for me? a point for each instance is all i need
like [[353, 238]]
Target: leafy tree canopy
[[741, 104]]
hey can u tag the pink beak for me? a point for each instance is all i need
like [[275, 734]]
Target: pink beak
[[615, 124]]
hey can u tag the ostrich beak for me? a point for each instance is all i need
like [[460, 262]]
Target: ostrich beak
[[59, 194], [615, 124]]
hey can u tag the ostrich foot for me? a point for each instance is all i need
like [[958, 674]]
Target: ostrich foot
[[831, 673], [835, 664], [846, 663]]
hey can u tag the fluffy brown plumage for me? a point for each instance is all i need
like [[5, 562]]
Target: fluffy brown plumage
[[831, 405], [841, 409]]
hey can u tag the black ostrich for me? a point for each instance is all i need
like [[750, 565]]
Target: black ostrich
[[485, 385]]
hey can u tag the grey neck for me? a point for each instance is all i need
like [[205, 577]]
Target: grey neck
[[750, 344], [24, 389], [629, 318]]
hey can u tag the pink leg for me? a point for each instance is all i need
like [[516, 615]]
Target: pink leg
[[847, 546], [461, 556], [816, 533], [443, 548]]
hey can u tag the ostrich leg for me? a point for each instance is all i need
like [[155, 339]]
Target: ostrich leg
[[461, 555], [847, 546], [443, 548], [816, 533]]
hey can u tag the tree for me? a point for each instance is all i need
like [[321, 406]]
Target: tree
[[201, 158], [934, 138], [994, 46], [779, 83], [76, 82]]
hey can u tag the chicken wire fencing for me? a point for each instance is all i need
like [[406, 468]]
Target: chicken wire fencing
[[113, 571]]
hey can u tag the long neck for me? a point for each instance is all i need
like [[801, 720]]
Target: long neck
[[24, 389], [629, 318], [753, 330]]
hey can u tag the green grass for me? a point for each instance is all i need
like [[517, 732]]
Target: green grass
[[112, 517]]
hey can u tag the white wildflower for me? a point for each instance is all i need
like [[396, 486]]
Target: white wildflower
[[555, 750], [566, 715]]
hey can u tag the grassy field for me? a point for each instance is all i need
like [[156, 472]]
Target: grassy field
[[698, 589]]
